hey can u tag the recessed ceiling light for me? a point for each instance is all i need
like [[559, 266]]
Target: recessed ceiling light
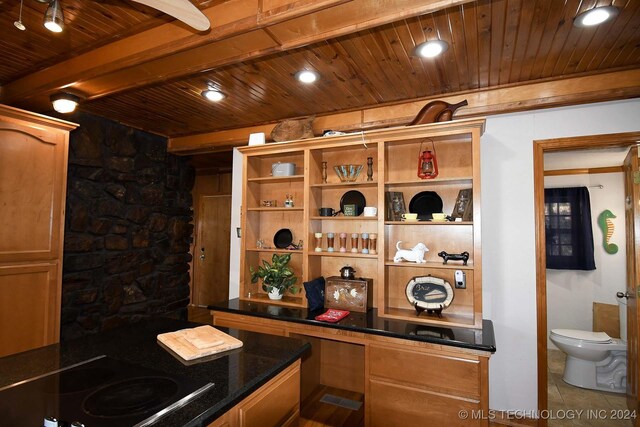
[[432, 48], [64, 102], [307, 76], [213, 95], [595, 16]]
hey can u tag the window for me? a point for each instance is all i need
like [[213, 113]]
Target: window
[[569, 236]]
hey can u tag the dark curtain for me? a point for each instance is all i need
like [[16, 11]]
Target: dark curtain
[[569, 236]]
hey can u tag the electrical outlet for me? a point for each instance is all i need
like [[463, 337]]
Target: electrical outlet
[[460, 279]]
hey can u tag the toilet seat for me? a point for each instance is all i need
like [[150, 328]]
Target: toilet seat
[[588, 336]]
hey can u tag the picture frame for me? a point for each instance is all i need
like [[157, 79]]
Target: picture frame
[[463, 208], [394, 201]]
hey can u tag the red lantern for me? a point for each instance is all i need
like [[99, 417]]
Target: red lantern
[[427, 164]]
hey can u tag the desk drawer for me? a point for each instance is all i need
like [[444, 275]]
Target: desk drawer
[[447, 374]]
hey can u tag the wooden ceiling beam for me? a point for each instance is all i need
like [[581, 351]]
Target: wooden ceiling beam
[[513, 98], [239, 31]]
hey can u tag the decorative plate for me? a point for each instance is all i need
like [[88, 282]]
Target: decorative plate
[[424, 204], [430, 293]]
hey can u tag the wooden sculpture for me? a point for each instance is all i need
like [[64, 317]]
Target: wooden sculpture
[[290, 129], [437, 111]]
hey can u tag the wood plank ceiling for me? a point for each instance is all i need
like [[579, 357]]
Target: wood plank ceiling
[[491, 43]]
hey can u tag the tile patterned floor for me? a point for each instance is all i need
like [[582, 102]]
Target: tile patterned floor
[[564, 397]]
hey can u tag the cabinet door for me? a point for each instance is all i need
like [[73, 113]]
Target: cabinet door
[[29, 307], [32, 189]]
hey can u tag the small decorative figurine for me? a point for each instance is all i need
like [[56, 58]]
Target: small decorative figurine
[[369, 168], [330, 239], [318, 237], [464, 257], [324, 172], [343, 242], [354, 242], [288, 201], [373, 238], [365, 243], [415, 254]]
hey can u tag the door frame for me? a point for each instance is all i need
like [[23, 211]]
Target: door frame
[[540, 147]]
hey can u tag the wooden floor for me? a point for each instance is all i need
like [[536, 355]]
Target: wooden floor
[[199, 315], [319, 414]]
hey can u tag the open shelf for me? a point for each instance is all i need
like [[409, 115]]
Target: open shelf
[[344, 218], [449, 266], [435, 181], [429, 223], [268, 179], [464, 319], [276, 209], [277, 251], [343, 254], [346, 184]]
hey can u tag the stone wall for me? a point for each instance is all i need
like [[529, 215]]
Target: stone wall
[[127, 231]]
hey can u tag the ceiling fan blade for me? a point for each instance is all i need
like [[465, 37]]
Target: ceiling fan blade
[[182, 10]]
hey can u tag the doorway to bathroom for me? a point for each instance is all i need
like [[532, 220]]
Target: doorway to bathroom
[[564, 290]]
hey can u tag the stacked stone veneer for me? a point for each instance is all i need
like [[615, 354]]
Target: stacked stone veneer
[[127, 231]]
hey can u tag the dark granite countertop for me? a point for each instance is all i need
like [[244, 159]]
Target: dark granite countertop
[[370, 323], [235, 375]]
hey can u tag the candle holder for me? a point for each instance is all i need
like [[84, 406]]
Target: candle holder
[[330, 240], [365, 243], [373, 243], [343, 242], [324, 172], [369, 168], [354, 242], [318, 237]]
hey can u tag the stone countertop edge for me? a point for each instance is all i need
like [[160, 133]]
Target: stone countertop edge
[[234, 377], [482, 339]]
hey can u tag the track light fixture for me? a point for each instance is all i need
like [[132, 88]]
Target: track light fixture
[[64, 102], [53, 17]]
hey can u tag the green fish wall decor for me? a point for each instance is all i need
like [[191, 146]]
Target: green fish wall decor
[[606, 225]]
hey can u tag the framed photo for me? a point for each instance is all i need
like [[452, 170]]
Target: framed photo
[[464, 205], [394, 201]]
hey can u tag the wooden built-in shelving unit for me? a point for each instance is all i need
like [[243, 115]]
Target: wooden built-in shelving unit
[[395, 155]]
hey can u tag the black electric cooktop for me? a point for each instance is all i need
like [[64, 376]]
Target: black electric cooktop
[[98, 392]]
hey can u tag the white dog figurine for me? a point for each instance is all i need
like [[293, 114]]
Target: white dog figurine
[[416, 254]]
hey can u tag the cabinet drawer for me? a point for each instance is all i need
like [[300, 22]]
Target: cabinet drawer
[[442, 373], [250, 324], [393, 405]]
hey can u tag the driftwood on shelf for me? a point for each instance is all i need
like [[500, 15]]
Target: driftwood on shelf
[[437, 111], [290, 129]]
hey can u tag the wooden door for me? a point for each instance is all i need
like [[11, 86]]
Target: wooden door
[[211, 253], [29, 307], [32, 184], [632, 221]]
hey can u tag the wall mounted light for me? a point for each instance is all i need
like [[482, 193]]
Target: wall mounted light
[[307, 76], [213, 95], [53, 17], [64, 102], [595, 16], [432, 48]]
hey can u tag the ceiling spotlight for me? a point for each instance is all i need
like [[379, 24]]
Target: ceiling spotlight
[[432, 48], [307, 76], [595, 16], [64, 102], [53, 17], [213, 95]]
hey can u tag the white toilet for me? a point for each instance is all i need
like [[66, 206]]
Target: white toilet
[[595, 360]]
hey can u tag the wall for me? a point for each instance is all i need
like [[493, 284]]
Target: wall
[[571, 293], [127, 230], [508, 233]]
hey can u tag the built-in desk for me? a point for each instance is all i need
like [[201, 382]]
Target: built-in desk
[[406, 373]]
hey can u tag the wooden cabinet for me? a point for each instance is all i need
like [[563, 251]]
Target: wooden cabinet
[[275, 404], [33, 176], [394, 156]]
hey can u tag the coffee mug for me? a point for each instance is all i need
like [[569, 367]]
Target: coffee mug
[[326, 211], [409, 216], [370, 211]]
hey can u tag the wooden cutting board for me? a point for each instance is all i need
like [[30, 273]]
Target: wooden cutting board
[[198, 342]]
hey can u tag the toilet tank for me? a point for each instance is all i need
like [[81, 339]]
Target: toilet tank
[[622, 306]]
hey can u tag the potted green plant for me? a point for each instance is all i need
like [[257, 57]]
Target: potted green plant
[[277, 277]]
